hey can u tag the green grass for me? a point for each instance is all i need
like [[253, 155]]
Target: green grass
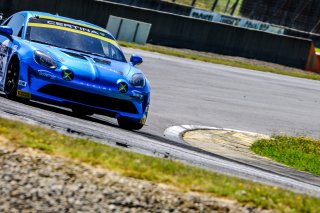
[[300, 153], [184, 177], [207, 5], [216, 60], [317, 50]]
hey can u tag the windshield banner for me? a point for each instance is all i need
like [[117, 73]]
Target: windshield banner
[[72, 27]]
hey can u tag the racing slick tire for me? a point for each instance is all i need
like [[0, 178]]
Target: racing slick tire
[[127, 123], [12, 77]]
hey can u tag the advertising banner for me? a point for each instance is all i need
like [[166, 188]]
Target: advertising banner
[[235, 21]]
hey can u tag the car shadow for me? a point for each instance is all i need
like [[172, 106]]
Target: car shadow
[[64, 111], [67, 112], [100, 120]]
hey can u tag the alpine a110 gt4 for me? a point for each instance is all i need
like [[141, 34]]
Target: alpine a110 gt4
[[72, 63]]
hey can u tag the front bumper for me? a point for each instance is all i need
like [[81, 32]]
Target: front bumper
[[48, 86]]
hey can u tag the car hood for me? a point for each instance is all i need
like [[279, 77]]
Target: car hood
[[88, 67]]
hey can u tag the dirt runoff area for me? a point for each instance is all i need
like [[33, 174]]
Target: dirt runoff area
[[32, 181]]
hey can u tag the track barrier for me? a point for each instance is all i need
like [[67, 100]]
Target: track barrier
[[182, 31]]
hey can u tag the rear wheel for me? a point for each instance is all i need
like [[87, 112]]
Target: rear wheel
[[127, 123], [12, 77]]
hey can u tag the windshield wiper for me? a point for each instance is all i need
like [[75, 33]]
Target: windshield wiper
[[43, 42], [86, 52]]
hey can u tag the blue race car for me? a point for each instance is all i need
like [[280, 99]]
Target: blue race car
[[72, 63]]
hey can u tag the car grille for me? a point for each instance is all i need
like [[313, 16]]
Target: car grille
[[89, 98]]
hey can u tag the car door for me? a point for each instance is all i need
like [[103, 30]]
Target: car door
[[16, 22]]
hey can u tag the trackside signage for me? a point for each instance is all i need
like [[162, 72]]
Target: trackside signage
[[235, 21]]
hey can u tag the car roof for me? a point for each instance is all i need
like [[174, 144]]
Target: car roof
[[62, 18]]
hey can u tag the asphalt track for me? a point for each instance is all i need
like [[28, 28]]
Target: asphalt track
[[198, 93]]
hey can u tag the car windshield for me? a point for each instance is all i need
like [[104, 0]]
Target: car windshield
[[74, 37]]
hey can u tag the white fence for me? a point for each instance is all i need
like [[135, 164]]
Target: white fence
[[128, 30]]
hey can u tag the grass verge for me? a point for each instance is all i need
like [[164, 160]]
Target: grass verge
[[182, 176], [207, 5], [215, 60], [300, 153]]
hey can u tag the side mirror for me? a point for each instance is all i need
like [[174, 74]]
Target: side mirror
[[6, 30], [135, 59]]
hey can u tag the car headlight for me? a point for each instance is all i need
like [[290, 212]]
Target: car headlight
[[138, 80], [44, 60]]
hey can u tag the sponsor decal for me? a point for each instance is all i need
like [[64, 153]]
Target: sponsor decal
[[22, 83], [47, 74], [52, 23], [123, 87], [75, 27], [137, 94], [68, 21], [67, 75], [115, 71], [143, 120], [23, 94], [236, 21], [95, 86]]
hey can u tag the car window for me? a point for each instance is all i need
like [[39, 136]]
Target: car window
[[111, 51], [73, 37], [16, 22], [6, 22]]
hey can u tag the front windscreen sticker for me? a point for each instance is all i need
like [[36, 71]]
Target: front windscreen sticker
[[72, 27]]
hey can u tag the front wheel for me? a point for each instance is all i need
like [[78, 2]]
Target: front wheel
[[12, 77], [127, 123]]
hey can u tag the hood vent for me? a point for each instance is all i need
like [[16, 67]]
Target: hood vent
[[102, 61], [98, 60], [74, 55]]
